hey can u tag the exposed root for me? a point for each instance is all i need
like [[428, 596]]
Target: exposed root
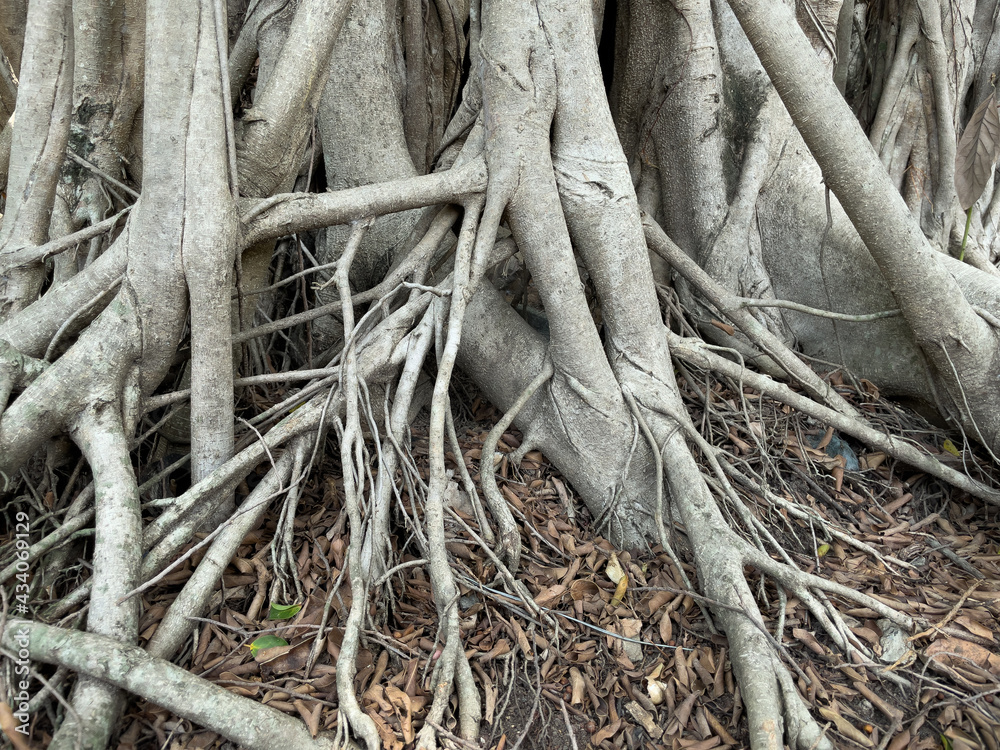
[[17, 371], [510, 537], [116, 567], [468, 485], [453, 664], [193, 599], [699, 354], [720, 556], [286, 585], [242, 721], [658, 512], [755, 331], [351, 716]]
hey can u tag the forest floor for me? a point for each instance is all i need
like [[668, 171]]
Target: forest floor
[[625, 657]]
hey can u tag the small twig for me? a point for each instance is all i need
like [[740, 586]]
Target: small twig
[[180, 560], [569, 726], [453, 737], [951, 555], [947, 618], [535, 704], [502, 569], [101, 173], [392, 571], [863, 318]]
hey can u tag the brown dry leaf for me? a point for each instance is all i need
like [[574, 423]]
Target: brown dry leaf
[[809, 640], [248, 692], [900, 741], [582, 590], [549, 596], [846, 728], [284, 659], [871, 460], [743, 445], [961, 740], [977, 152], [513, 498], [682, 714], [953, 651], [607, 733], [385, 733], [666, 627], [683, 675], [723, 326], [404, 710], [838, 474], [502, 647], [866, 634], [376, 695], [975, 627], [309, 716], [658, 599], [631, 628], [522, 640], [490, 696], [699, 744], [717, 727]]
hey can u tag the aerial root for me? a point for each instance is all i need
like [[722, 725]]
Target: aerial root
[[720, 555], [285, 584], [661, 527], [775, 711], [451, 673], [510, 536], [376, 545], [353, 462], [16, 371], [788, 577], [485, 530], [803, 731], [118, 531], [452, 667], [770, 344], [797, 580]]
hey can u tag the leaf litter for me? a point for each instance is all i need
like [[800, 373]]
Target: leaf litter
[[622, 656]]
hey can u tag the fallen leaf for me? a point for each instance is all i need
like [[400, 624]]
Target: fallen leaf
[[613, 570], [607, 733], [846, 728], [975, 627], [953, 651]]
